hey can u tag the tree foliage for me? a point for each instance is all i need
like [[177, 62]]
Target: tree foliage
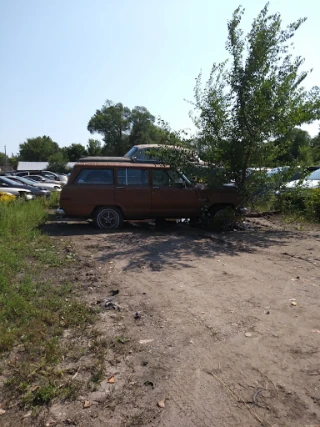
[[3, 159], [93, 147], [254, 99], [315, 144], [296, 147], [122, 128], [58, 163], [38, 149], [113, 121], [74, 152]]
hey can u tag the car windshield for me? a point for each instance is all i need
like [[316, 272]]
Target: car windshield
[[8, 181], [26, 181], [131, 152], [314, 175]]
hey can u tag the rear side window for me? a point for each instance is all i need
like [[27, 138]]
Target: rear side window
[[133, 177], [95, 176]]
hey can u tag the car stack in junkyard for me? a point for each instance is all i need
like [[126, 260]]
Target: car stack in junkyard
[[28, 186]]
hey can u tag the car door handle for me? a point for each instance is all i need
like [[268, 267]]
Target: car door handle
[[120, 188]]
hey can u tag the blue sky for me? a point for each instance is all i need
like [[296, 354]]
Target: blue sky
[[61, 59]]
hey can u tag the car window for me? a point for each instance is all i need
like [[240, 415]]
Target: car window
[[49, 176], [131, 152], [95, 176], [132, 176], [145, 155], [166, 178], [314, 175]]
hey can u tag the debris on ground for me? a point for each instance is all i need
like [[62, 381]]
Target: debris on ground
[[87, 404], [111, 380], [109, 304], [145, 341], [161, 404], [137, 315]]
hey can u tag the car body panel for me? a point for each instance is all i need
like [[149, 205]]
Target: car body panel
[[147, 153], [51, 187], [62, 178], [41, 179], [36, 191], [132, 187], [311, 181], [7, 185]]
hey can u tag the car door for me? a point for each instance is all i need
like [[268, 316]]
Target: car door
[[133, 192], [172, 196]]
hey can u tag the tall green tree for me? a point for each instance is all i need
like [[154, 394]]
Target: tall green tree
[[142, 127], [315, 144], [58, 163], [297, 147], [94, 147], [38, 149], [255, 98], [113, 121], [74, 152], [3, 159]]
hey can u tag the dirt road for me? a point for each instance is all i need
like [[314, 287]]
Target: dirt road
[[228, 329]]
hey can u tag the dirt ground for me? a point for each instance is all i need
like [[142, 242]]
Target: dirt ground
[[227, 327]]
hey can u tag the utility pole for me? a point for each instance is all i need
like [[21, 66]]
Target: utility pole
[[5, 155]]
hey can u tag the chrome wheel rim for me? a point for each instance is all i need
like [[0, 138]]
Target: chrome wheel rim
[[107, 219]]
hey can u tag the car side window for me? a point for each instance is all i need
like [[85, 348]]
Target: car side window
[[127, 176], [95, 176], [143, 155], [166, 178]]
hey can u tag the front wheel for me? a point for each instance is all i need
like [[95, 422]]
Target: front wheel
[[108, 218]]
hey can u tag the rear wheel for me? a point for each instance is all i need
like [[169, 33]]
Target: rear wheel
[[222, 216], [108, 218]]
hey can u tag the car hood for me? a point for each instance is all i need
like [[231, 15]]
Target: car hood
[[306, 183]]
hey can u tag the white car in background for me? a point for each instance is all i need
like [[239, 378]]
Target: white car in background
[[42, 179], [44, 185], [311, 181]]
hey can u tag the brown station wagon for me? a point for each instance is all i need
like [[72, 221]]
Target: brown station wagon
[[111, 192]]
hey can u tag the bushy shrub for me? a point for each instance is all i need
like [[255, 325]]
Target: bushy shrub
[[302, 202], [312, 205]]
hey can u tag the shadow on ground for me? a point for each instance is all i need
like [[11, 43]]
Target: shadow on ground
[[142, 245]]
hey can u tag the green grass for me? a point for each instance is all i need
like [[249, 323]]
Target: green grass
[[36, 306]]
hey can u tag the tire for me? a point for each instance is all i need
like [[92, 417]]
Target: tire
[[108, 218], [222, 215]]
